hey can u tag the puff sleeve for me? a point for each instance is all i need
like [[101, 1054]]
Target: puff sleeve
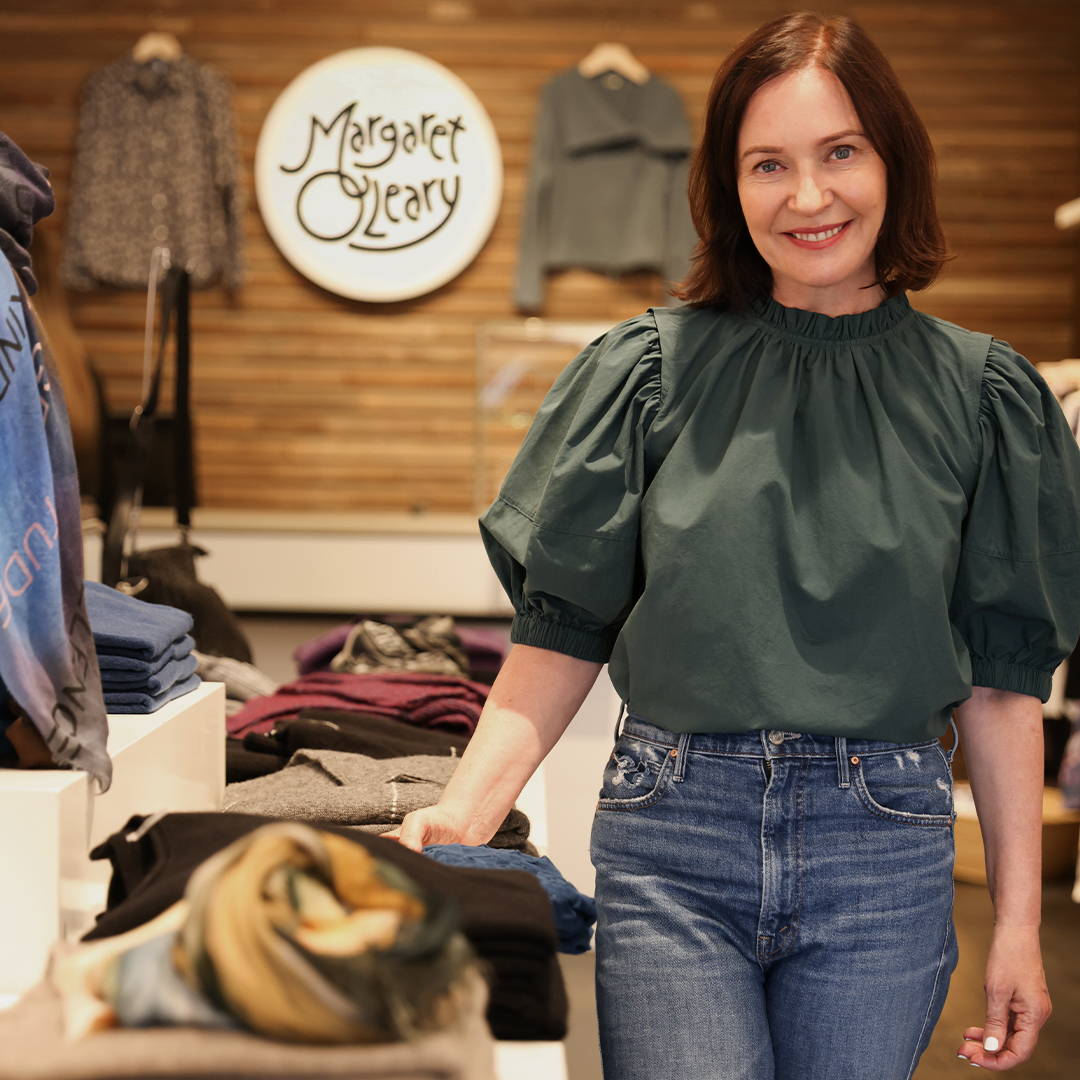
[[562, 535], [1016, 600]]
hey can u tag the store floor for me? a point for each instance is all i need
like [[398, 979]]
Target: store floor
[[273, 638]]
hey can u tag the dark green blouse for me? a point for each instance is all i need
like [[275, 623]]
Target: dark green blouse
[[783, 519]]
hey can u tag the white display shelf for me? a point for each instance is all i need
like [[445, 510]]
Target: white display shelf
[[172, 759]]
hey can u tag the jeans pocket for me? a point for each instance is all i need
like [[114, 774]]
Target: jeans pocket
[[912, 786], [637, 774]]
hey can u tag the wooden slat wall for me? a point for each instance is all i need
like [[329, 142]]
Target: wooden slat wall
[[306, 401]]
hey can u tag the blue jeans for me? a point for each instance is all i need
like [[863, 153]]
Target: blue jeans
[[772, 905]]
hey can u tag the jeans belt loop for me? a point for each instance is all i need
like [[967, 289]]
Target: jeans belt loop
[[680, 757], [843, 772], [956, 739], [619, 719]]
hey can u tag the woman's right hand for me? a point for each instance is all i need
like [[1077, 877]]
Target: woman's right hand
[[431, 825]]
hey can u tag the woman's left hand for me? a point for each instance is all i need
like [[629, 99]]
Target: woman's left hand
[[1017, 1001]]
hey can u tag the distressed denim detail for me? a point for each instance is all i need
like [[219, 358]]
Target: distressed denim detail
[[637, 774], [912, 786], [757, 922]]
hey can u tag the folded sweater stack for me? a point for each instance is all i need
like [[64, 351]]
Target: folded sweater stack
[[144, 650], [505, 914]]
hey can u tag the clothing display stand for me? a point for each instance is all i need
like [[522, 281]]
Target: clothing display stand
[[169, 760]]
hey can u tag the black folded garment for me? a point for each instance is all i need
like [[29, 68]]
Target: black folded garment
[[505, 914], [244, 764], [354, 733]]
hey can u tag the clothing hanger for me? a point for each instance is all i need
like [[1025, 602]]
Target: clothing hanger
[[612, 56], [1062, 376], [157, 45], [1067, 215]]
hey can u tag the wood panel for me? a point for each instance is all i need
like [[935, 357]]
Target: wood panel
[[306, 401]]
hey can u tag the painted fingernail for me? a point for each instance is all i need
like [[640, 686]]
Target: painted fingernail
[[962, 1057], [990, 1044]]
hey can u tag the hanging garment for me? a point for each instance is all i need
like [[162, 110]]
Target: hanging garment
[[505, 914], [155, 165], [607, 186], [47, 660]]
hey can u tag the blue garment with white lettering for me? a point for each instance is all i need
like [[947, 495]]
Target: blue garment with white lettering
[[47, 660]]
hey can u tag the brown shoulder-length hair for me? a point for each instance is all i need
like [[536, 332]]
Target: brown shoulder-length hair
[[727, 269]]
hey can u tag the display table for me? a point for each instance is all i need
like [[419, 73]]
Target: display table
[[170, 760]]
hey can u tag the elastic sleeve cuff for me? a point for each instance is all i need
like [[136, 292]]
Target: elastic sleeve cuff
[[1001, 675], [531, 629]]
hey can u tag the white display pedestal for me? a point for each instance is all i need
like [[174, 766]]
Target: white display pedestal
[[173, 759], [533, 1060]]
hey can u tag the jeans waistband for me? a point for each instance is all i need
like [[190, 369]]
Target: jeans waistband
[[766, 742]]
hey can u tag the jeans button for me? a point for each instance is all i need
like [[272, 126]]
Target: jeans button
[[776, 737]]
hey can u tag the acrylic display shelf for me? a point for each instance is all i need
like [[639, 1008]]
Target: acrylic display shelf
[[172, 759]]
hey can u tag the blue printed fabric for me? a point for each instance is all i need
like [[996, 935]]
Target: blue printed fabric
[[574, 912], [47, 661], [146, 990], [112, 664], [133, 701], [124, 625], [25, 198], [175, 671]]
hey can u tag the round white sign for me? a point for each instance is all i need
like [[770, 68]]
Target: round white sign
[[378, 174]]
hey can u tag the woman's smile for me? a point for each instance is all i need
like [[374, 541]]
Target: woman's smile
[[823, 236]]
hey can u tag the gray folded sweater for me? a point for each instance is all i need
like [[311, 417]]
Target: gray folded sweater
[[331, 787]]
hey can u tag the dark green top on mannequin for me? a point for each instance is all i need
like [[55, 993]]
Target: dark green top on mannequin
[[782, 519]]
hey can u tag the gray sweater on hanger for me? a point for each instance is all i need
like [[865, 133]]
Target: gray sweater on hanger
[[607, 182]]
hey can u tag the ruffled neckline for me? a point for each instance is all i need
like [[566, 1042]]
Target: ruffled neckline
[[819, 327]]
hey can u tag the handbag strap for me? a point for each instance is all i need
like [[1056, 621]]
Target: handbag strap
[[183, 453], [175, 321]]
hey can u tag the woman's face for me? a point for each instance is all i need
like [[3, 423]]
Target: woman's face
[[812, 190]]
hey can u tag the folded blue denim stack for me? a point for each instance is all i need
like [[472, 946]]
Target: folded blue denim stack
[[144, 650]]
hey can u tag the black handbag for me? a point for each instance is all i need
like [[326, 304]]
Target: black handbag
[[167, 575]]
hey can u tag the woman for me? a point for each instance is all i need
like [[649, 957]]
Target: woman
[[805, 523]]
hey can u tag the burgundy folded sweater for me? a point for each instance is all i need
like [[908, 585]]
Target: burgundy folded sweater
[[439, 701]]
